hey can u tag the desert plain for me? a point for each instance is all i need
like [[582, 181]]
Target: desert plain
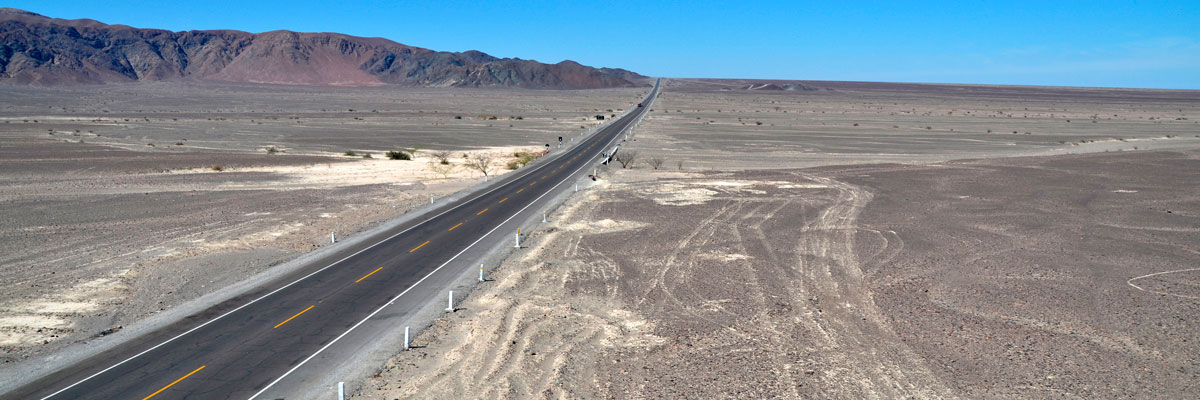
[[760, 239], [122, 201], [853, 240]]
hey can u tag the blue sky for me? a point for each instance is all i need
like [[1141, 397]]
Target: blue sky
[[1154, 44]]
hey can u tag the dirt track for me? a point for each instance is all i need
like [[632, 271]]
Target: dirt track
[[625, 296], [864, 282], [1067, 276]]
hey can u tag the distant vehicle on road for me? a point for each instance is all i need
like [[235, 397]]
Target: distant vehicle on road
[[639, 104]]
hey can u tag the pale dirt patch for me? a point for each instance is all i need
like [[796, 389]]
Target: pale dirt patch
[[688, 192], [603, 226], [39, 321], [522, 330], [668, 306], [377, 170]]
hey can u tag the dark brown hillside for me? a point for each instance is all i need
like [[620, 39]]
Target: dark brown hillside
[[37, 50]]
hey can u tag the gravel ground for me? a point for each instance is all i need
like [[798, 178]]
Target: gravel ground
[[1029, 278], [1070, 276], [1026, 272], [243, 118], [714, 125], [834, 250], [113, 210]]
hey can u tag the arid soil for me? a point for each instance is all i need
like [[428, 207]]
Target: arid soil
[[181, 117], [1068, 276], [717, 125], [1048, 275], [101, 230], [979, 279]]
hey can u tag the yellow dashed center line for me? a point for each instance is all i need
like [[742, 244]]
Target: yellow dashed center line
[[481, 212], [422, 245], [504, 200], [173, 383], [452, 228], [365, 276], [294, 316], [522, 190], [531, 184]]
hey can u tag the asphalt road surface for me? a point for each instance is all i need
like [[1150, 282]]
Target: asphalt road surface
[[243, 347]]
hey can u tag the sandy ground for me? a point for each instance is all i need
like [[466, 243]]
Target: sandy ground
[[179, 117], [101, 230], [714, 125], [872, 282], [1047, 276]]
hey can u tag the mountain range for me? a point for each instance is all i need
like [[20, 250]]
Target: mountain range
[[38, 50]]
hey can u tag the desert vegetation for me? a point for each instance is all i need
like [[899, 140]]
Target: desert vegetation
[[626, 157], [481, 163]]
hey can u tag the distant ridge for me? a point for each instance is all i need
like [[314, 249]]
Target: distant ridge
[[38, 50]]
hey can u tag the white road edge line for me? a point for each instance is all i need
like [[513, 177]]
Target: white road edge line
[[306, 277], [464, 250]]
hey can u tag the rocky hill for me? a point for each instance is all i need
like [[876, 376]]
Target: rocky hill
[[38, 50]]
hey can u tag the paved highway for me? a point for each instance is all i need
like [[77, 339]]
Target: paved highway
[[245, 346]]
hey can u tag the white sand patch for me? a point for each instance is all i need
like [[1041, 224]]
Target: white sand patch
[[802, 186], [676, 195], [22, 330], [722, 183], [627, 329], [793, 185], [376, 170], [736, 257], [253, 240], [604, 226], [699, 192], [726, 257], [33, 321], [21, 321], [731, 186], [57, 307]]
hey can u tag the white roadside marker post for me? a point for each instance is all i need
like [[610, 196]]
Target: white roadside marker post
[[431, 199], [450, 302], [481, 272], [406, 341], [517, 239], [341, 390], [543, 216], [332, 237], [576, 186]]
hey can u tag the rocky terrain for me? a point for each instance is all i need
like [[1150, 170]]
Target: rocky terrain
[[38, 50]]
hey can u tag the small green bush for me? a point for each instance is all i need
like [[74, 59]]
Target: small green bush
[[398, 155]]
